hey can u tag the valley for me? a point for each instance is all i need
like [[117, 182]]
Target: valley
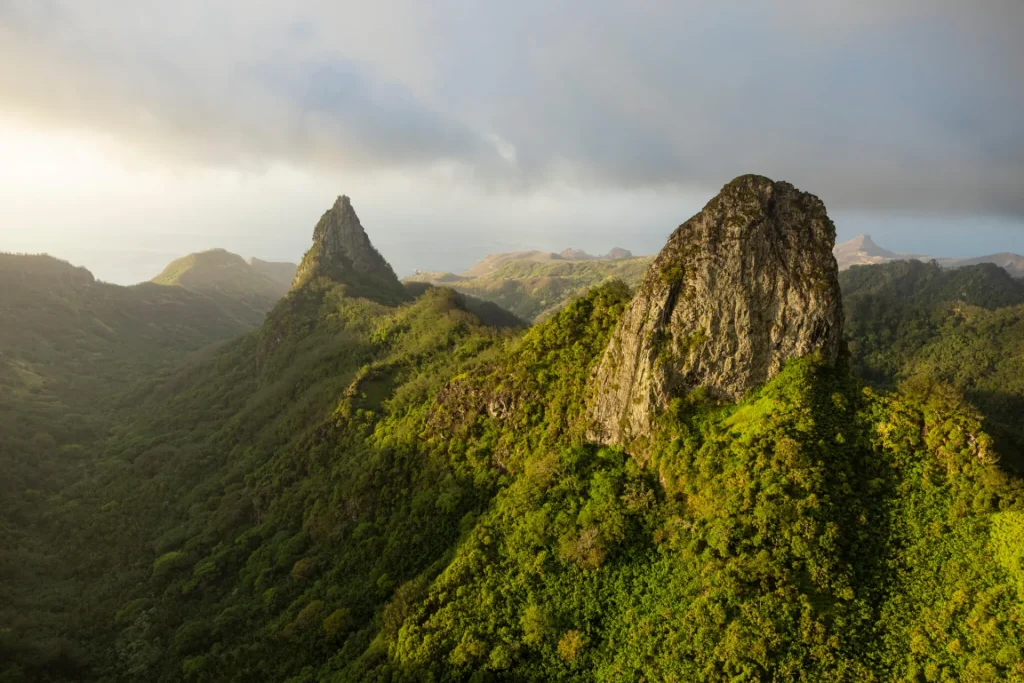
[[727, 461]]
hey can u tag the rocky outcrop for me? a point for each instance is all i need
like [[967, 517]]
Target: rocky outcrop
[[747, 283], [342, 252], [340, 245]]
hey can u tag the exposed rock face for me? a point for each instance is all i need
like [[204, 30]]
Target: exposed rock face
[[747, 283], [619, 253], [341, 247]]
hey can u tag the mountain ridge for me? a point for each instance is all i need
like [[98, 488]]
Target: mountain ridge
[[862, 250], [371, 488]]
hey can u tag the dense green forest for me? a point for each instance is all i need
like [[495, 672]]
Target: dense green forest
[[400, 490], [910, 321], [74, 350]]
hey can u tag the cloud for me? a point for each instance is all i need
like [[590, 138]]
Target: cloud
[[871, 106]]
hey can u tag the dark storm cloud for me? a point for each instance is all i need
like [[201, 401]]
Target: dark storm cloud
[[871, 106]]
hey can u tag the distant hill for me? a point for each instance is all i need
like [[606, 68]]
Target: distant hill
[[251, 289], [929, 284], [58, 324], [495, 262], [68, 340], [279, 271], [535, 284], [1011, 263], [862, 250], [70, 348]]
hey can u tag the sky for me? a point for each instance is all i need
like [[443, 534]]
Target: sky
[[132, 132]]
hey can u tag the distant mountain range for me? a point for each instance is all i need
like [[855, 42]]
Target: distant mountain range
[[535, 284], [60, 326], [749, 466], [862, 250]]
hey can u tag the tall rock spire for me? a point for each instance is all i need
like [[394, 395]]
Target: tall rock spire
[[747, 283], [342, 252], [341, 244]]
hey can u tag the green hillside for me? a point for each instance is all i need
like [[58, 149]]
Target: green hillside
[[914, 283], [75, 356], [360, 492], [251, 289], [534, 285], [402, 489], [910, 320]]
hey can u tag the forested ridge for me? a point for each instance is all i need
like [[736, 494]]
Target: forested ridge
[[402, 489], [912, 321]]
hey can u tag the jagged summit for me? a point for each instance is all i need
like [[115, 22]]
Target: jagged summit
[[342, 251], [747, 283]]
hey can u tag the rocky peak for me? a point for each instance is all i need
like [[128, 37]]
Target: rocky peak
[[864, 242], [342, 249], [862, 250], [744, 285], [619, 253]]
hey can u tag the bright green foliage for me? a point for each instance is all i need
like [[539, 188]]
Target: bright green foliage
[[398, 491], [1008, 544]]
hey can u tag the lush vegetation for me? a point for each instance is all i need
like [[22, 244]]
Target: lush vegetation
[[250, 288], [964, 327], [402, 491]]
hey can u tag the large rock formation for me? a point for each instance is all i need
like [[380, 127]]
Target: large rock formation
[[342, 252], [747, 283]]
